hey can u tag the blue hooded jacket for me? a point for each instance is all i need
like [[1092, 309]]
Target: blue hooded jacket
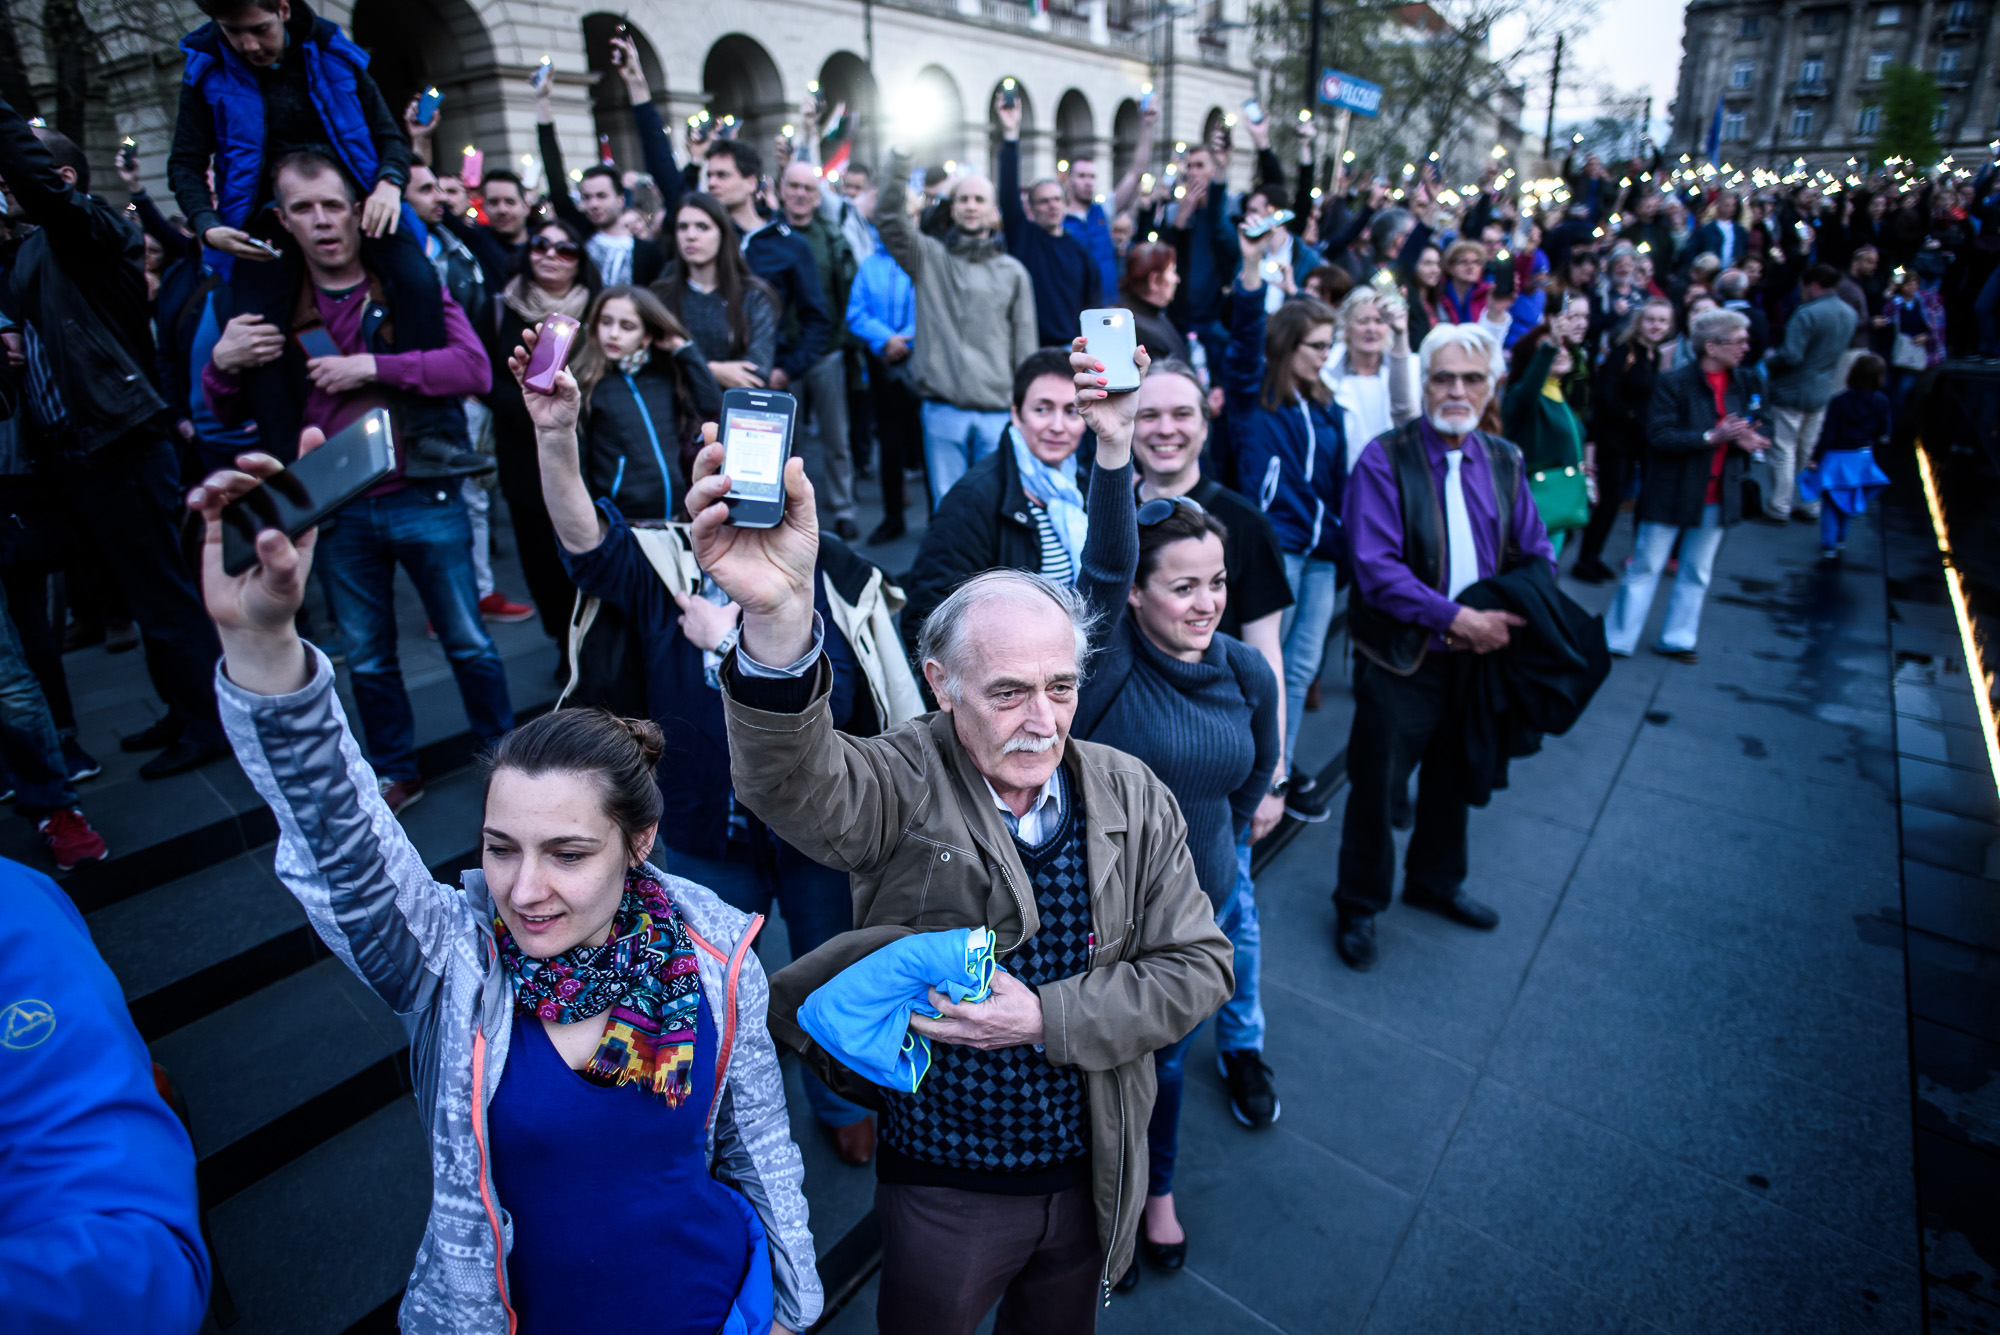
[[99, 1227], [1292, 461], [334, 68]]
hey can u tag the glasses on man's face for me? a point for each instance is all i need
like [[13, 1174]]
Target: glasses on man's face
[[562, 250], [1454, 379], [1156, 510]]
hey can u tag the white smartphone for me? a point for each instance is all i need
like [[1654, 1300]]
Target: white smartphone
[[1114, 340]]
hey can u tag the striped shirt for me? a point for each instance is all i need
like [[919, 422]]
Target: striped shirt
[[1057, 563]]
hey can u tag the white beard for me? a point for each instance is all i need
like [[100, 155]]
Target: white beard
[[1452, 426]]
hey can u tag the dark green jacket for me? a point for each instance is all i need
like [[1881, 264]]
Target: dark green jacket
[[1550, 434], [837, 267]]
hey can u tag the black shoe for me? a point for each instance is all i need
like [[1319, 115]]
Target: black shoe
[[1593, 571], [1251, 1097], [79, 762], [1162, 1255], [1402, 811], [888, 530], [1687, 656], [1129, 1280], [198, 745], [1801, 515], [157, 737], [1307, 799], [1458, 906], [1354, 938], [846, 530]]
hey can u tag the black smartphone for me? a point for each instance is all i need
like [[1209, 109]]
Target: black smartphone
[[311, 489], [317, 342], [1501, 272], [756, 441]]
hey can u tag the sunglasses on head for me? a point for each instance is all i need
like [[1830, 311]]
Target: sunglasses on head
[[566, 250], [1156, 510]]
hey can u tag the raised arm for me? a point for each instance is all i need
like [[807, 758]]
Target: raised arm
[[1110, 557], [578, 524], [552, 164], [892, 217], [341, 852], [1127, 188], [656, 146]]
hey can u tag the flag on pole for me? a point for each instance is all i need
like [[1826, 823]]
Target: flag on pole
[[837, 146], [1713, 146], [1039, 8]]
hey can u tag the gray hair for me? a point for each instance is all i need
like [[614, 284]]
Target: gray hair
[[1367, 294], [1470, 336], [942, 639], [1732, 285], [1714, 326], [1382, 228]]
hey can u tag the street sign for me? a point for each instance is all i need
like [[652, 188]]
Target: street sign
[[1344, 90]]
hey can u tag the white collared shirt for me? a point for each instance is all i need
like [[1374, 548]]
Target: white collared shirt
[[1039, 820]]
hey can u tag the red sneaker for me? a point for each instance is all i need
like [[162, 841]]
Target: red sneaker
[[70, 838], [497, 606]]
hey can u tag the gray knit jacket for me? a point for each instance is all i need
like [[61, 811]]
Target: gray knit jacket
[[428, 951], [975, 304], [1801, 369]]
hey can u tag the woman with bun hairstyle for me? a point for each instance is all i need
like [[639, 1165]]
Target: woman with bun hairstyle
[[592, 1066]]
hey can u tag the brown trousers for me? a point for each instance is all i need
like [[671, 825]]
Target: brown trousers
[[949, 1255]]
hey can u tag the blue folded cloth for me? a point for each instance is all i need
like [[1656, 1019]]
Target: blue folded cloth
[[862, 1014], [1845, 479]]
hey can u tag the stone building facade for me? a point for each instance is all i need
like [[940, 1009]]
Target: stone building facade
[[936, 64], [1803, 80]]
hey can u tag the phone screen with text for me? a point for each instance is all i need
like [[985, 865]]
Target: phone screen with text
[[754, 453]]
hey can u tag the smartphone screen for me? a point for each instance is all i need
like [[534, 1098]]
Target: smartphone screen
[[310, 490], [1114, 340], [754, 452]]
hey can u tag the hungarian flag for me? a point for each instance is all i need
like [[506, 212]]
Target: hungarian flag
[[837, 146], [1039, 8]]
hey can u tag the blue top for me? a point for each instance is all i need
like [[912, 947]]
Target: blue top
[[1292, 460], [882, 303], [1855, 420], [609, 1184], [1061, 268], [1094, 230], [98, 1222]]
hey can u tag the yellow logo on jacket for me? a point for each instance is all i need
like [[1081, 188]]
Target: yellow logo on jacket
[[26, 1024]]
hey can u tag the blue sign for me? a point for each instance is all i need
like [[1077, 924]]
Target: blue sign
[[1344, 90]]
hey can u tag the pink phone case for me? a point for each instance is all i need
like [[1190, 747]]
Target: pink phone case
[[552, 344]]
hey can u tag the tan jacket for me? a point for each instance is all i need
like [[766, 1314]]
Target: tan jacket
[[911, 820]]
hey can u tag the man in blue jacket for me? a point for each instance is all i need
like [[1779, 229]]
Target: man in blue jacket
[[1064, 275], [99, 1225], [776, 254], [882, 313]]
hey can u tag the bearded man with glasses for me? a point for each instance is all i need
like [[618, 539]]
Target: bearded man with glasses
[[1431, 508]]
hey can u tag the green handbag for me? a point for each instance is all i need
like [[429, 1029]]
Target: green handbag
[[1562, 497]]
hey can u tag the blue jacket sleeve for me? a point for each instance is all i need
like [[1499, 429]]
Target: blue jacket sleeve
[[870, 308], [99, 1225], [808, 299], [1243, 365], [1013, 218]]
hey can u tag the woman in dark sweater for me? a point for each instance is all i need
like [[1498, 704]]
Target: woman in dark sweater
[[727, 310], [1152, 276], [1199, 708], [1624, 388]]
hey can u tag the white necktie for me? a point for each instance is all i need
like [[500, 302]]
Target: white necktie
[[1461, 557]]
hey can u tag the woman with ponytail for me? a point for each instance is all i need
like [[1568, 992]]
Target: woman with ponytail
[[592, 1065]]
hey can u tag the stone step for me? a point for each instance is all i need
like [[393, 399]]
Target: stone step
[[329, 1237]]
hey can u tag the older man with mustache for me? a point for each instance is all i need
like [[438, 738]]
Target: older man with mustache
[[1015, 1173], [1431, 508]]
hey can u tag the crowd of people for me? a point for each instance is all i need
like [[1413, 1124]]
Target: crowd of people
[[1373, 424]]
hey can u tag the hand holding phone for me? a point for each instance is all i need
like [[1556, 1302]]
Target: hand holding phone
[[427, 106], [757, 426], [553, 342], [300, 497], [539, 80], [1113, 339]]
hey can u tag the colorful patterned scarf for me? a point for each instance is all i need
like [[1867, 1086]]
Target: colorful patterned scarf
[[645, 975]]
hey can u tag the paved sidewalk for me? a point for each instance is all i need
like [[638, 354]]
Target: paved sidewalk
[[1669, 1093]]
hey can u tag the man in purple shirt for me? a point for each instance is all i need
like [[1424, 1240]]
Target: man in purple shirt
[[417, 517], [1417, 641]]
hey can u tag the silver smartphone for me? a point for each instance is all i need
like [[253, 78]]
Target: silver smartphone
[[1114, 340]]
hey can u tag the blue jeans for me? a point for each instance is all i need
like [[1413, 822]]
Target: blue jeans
[[1626, 618], [425, 528], [814, 900], [1302, 633], [29, 745], [1239, 1026], [954, 440], [1832, 525]]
